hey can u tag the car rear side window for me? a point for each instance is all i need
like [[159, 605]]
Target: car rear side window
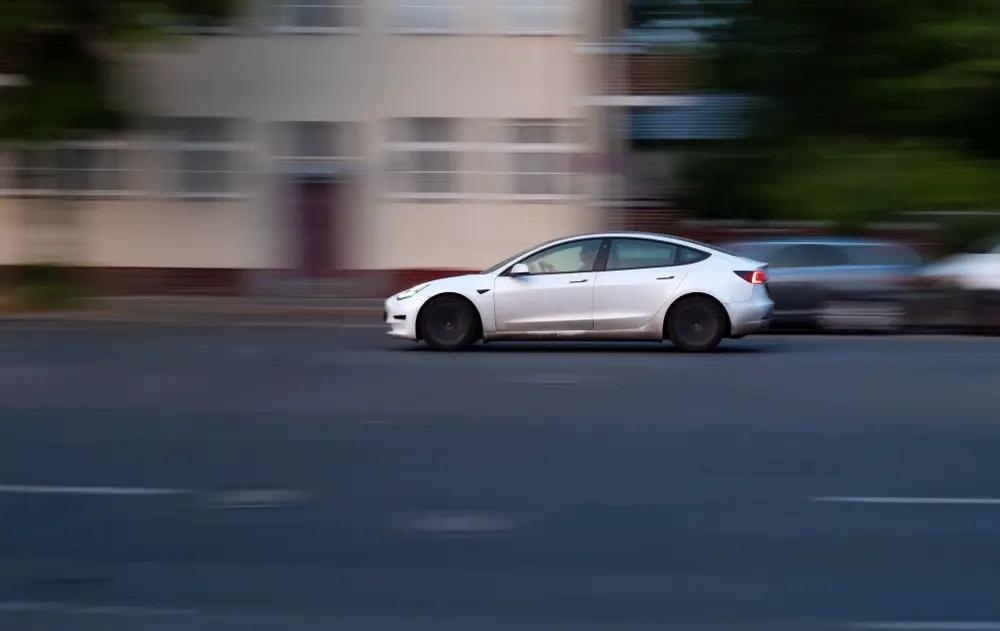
[[686, 256], [639, 253]]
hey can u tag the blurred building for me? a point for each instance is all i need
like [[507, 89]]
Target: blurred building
[[656, 108], [307, 139]]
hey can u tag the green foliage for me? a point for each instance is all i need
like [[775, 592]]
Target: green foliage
[[46, 286], [857, 181], [62, 52], [868, 107], [965, 233]]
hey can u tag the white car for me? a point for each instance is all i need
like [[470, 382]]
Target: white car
[[974, 271], [616, 285]]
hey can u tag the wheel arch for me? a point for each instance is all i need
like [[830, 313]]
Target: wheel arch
[[449, 294], [700, 294]]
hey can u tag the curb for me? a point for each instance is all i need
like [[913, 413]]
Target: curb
[[235, 316]]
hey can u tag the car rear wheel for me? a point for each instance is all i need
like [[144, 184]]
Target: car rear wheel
[[448, 323], [696, 324]]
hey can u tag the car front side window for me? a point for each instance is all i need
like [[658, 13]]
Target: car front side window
[[576, 256]]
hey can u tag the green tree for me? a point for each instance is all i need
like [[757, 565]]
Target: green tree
[[61, 55], [866, 107]]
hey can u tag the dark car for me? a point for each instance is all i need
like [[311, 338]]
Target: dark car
[[836, 283]]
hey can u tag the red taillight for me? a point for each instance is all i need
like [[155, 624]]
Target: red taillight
[[755, 277]]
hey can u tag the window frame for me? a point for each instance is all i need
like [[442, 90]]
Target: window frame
[[172, 147], [565, 144], [599, 260], [131, 182], [398, 10], [407, 148], [677, 249], [508, 26], [279, 23]]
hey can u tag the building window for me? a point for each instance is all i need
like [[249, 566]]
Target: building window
[[316, 148], [316, 15], [430, 16], [74, 169], [203, 25], [308, 140], [538, 17], [423, 157], [204, 156], [540, 158]]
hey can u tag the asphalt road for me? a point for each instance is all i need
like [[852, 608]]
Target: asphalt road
[[330, 478]]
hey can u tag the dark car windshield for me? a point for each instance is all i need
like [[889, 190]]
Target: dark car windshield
[[507, 261]]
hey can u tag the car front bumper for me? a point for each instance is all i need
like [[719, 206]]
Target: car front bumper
[[401, 317]]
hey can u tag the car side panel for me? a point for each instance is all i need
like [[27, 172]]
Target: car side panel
[[628, 299], [477, 288]]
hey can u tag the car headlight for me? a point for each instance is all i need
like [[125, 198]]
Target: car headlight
[[412, 291]]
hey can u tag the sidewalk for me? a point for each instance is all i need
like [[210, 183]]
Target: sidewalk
[[210, 310]]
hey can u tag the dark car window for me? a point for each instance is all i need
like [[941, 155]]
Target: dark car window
[[807, 255], [883, 254], [686, 256], [639, 253], [575, 256], [757, 251]]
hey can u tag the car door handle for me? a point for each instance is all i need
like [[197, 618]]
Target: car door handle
[[664, 278], [573, 282]]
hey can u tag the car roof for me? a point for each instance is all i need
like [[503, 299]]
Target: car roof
[[635, 234], [841, 241]]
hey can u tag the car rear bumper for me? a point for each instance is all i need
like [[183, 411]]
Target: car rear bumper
[[752, 316]]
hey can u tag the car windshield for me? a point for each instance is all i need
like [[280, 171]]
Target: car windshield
[[507, 261]]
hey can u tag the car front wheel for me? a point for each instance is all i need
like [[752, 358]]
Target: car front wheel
[[448, 323], [696, 324]]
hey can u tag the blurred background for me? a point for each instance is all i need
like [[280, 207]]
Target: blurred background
[[347, 148], [203, 426]]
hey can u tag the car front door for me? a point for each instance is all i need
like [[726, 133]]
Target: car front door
[[557, 293], [639, 277]]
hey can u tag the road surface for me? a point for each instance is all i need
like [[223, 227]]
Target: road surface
[[331, 478]]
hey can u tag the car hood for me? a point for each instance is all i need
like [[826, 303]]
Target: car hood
[[462, 281]]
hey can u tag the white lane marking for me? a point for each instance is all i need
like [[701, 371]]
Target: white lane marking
[[224, 499], [90, 610], [927, 626], [460, 522], [89, 490], [548, 379], [860, 499], [252, 498]]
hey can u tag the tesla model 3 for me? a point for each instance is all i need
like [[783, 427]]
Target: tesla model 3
[[611, 286]]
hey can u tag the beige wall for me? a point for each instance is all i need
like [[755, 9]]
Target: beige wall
[[9, 231], [135, 233], [366, 77], [464, 235], [356, 78]]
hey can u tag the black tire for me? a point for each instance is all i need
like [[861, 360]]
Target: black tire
[[696, 324], [448, 323]]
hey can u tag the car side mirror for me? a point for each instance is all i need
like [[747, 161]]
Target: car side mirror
[[520, 269]]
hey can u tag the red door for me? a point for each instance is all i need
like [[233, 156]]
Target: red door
[[316, 207]]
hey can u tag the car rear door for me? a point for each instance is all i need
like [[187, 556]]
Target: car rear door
[[639, 277]]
